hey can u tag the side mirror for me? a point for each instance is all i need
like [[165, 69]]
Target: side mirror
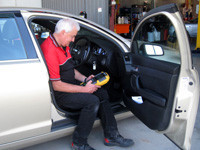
[[152, 50]]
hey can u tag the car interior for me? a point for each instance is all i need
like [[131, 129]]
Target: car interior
[[92, 53], [151, 70]]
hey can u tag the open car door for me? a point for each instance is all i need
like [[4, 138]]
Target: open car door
[[161, 87]]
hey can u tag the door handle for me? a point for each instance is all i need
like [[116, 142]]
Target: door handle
[[152, 96], [135, 69]]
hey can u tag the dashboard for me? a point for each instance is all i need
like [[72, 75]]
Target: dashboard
[[99, 51], [103, 55]]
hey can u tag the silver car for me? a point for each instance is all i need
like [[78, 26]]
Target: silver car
[[151, 77], [192, 27]]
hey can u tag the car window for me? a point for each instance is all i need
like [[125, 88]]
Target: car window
[[156, 38], [41, 32], [88, 33], [42, 28], [11, 46]]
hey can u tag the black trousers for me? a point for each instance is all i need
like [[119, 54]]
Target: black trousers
[[91, 105]]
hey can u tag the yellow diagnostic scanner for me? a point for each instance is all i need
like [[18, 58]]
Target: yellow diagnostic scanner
[[99, 79]]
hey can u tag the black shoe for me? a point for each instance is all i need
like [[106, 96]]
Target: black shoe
[[81, 147], [118, 141]]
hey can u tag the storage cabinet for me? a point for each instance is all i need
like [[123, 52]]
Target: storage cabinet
[[122, 28]]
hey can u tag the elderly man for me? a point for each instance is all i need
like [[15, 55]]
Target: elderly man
[[90, 99]]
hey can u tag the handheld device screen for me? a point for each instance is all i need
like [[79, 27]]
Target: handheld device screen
[[99, 79]]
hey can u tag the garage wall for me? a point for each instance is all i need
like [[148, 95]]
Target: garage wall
[[69, 6], [97, 10]]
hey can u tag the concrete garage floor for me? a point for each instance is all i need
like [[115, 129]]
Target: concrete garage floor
[[133, 128]]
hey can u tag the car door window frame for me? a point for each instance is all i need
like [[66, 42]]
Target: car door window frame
[[24, 35], [28, 44], [170, 49]]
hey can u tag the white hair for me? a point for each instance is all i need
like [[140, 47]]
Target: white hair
[[67, 25]]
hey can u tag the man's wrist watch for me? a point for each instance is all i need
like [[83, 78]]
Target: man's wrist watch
[[85, 80]]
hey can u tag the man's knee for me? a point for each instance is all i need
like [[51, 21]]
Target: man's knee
[[102, 94], [93, 103]]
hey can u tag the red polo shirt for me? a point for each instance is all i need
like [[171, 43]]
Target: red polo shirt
[[55, 57]]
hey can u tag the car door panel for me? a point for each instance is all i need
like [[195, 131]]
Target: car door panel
[[29, 112], [159, 73], [154, 80], [25, 99]]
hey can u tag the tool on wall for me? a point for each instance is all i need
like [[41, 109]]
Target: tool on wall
[[83, 14]]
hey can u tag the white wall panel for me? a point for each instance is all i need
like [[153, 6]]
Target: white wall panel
[[7, 3], [21, 3], [97, 11]]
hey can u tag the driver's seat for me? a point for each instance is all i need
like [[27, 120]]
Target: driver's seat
[[72, 114]]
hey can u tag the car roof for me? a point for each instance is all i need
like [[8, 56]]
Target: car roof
[[57, 12], [32, 9]]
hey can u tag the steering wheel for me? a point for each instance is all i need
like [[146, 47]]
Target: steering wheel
[[80, 50]]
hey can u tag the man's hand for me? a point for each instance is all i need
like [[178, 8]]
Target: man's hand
[[91, 88], [90, 77]]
